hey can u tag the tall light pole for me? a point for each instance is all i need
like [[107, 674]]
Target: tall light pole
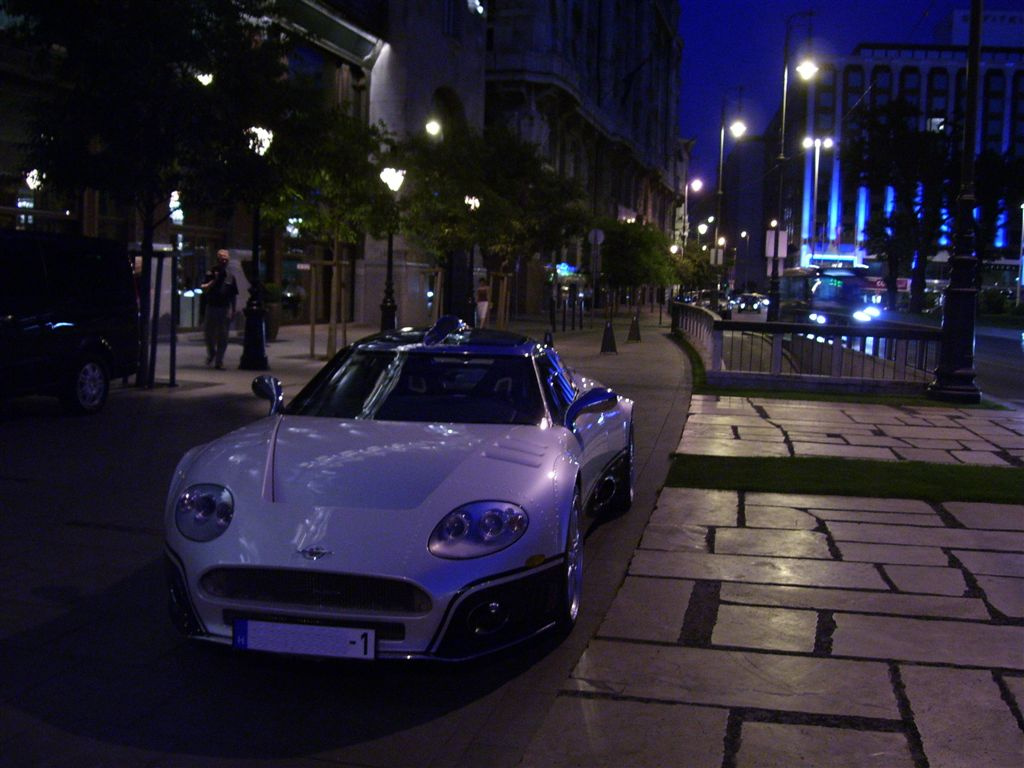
[[696, 185], [816, 144], [737, 128], [254, 348], [954, 374], [393, 178], [807, 69]]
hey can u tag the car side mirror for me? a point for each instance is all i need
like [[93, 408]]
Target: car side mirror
[[269, 388], [599, 398]]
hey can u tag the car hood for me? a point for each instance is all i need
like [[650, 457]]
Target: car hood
[[312, 461]]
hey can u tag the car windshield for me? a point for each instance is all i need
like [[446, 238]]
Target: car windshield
[[425, 387]]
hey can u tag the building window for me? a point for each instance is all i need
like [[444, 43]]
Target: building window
[[994, 108], [910, 86], [881, 86], [1017, 117], [938, 93]]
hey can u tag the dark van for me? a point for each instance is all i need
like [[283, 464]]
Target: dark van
[[69, 317]]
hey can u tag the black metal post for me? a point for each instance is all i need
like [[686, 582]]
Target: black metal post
[[254, 343], [388, 308], [954, 375]]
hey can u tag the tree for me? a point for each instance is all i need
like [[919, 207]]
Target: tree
[[129, 115], [331, 187], [635, 254], [887, 150]]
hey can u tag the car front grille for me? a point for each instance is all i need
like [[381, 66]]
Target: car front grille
[[311, 589]]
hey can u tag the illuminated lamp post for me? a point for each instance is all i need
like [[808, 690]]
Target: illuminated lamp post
[[696, 185], [254, 347], [806, 70], [955, 374], [393, 178]]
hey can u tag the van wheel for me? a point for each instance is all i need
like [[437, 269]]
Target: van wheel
[[88, 386]]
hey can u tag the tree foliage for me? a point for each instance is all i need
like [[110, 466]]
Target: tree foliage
[[635, 254], [887, 150], [128, 115]]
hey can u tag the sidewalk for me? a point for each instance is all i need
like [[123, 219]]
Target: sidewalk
[[756, 629], [765, 629]]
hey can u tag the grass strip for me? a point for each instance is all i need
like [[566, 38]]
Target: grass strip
[[850, 477]]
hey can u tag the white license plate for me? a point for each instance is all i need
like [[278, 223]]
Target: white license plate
[[304, 639]]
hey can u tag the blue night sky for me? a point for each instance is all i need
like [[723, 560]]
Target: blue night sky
[[732, 43]]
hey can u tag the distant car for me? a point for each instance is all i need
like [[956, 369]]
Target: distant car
[[69, 317], [751, 302], [421, 497]]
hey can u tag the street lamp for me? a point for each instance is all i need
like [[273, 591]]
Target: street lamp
[[393, 178], [696, 185], [817, 144], [737, 128], [806, 70], [254, 348]]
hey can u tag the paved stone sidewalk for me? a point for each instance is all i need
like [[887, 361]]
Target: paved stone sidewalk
[[758, 629], [739, 426]]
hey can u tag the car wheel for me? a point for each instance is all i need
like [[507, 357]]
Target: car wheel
[[572, 576], [625, 478], [87, 386]]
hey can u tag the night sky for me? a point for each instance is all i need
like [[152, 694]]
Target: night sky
[[731, 43]]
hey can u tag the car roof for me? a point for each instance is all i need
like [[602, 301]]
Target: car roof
[[449, 335]]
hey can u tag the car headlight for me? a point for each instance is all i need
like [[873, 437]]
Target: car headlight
[[477, 529], [204, 512]]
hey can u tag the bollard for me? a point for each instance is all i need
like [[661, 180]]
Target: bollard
[[634, 328], [548, 339], [608, 341]]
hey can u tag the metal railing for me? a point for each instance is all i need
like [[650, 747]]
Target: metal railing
[[869, 357]]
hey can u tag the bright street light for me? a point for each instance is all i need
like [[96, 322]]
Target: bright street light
[[807, 69], [697, 185], [393, 178], [737, 128], [433, 127]]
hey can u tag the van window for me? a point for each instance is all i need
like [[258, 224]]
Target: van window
[[22, 281]]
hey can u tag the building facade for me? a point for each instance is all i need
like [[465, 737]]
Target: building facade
[[593, 84], [825, 209]]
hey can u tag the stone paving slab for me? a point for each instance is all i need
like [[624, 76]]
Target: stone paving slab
[[1001, 517], [966, 644], [957, 538], [785, 745], [1005, 594], [889, 518], [817, 501], [900, 555], [980, 458], [676, 538], [778, 517], [855, 601], [783, 543], [711, 446], [648, 609], [735, 679], [603, 733], [992, 563], [926, 580], [929, 455], [772, 629], [978, 731], [844, 451], [764, 570]]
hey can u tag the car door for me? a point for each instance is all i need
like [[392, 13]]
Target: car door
[[560, 390], [22, 305]]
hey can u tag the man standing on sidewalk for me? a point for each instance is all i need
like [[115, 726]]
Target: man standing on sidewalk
[[221, 292]]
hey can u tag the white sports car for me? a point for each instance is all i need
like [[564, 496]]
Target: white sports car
[[421, 497]]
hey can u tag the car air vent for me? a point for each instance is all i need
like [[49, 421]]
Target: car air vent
[[312, 589]]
